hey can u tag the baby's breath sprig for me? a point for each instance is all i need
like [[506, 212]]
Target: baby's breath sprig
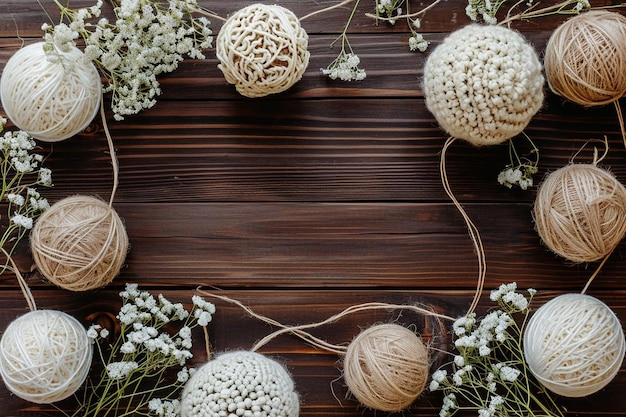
[[21, 171], [486, 10], [489, 374], [144, 368], [148, 38], [520, 169], [346, 65]]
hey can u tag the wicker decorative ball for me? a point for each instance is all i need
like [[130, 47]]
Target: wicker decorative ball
[[45, 356], [585, 58], [51, 101], [79, 243], [483, 84], [386, 367], [262, 50], [574, 345], [240, 383], [580, 212]]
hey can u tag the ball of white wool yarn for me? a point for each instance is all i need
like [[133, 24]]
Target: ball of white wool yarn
[[483, 84], [240, 383], [45, 356], [262, 50], [51, 101], [574, 345]]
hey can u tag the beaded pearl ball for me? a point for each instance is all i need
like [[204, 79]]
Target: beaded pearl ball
[[580, 212], [262, 50], [240, 383], [52, 101], [45, 356], [79, 243], [574, 345], [386, 367], [483, 84]]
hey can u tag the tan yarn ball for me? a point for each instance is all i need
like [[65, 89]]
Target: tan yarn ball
[[574, 345], [45, 356], [51, 101], [386, 367], [79, 243], [580, 212], [483, 84], [262, 50], [585, 59]]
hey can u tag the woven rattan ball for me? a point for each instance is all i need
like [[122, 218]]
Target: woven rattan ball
[[45, 356], [580, 212], [262, 50], [51, 101], [79, 243], [585, 58], [483, 84], [386, 367], [574, 345]]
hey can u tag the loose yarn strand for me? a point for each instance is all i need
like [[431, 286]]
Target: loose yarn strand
[[327, 9], [473, 230], [28, 295], [620, 119], [114, 162], [596, 272]]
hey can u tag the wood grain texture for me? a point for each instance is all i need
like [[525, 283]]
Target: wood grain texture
[[325, 196]]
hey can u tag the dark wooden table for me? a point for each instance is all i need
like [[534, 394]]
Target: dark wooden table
[[306, 202]]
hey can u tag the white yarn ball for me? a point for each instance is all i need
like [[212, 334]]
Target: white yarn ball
[[262, 50], [483, 84], [240, 383], [51, 101], [574, 345], [45, 356]]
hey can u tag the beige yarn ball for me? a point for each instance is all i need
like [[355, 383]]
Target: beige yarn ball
[[386, 367], [79, 243], [45, 356], [574, 345], [580, 212], [240, 383], [52, 101], [483, 84], [585, 59], [262, 50]]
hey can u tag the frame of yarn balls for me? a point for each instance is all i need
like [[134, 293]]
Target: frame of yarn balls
[[585, 58], [386, 367], [79, 243], [240, 383], [574, 345], [262, 50], [51, 101], [483, 84], [580, 212], [45, 356]]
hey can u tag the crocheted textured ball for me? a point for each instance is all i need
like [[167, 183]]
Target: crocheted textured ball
[[52, 101], [240, 383], [574, 344], [262, 50], [45, 356], [483, 84]]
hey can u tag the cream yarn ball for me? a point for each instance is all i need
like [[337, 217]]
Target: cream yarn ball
[[574, 345], [262, 50], [45, 356], [386, 367], [51, 101], [240, 383], [483, 84], [580, 212], [79, 243], [585, 58]]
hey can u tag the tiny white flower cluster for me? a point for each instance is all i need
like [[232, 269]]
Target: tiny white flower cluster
[[389, 8], [488, 373], [345, 67], [147, 39], [145, 347], [417, 42], [515, 176], [483, 8], [487, 10]]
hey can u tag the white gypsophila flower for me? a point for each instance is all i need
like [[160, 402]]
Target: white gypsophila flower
[[345, 67], [130, 292], [203, 317], [459, 361], [92, 332], [16, 199], [509, 374], [128, 347], [183, 375], [104, 333], [418, 43], [495, 295], [22, 221], [120, 370]]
